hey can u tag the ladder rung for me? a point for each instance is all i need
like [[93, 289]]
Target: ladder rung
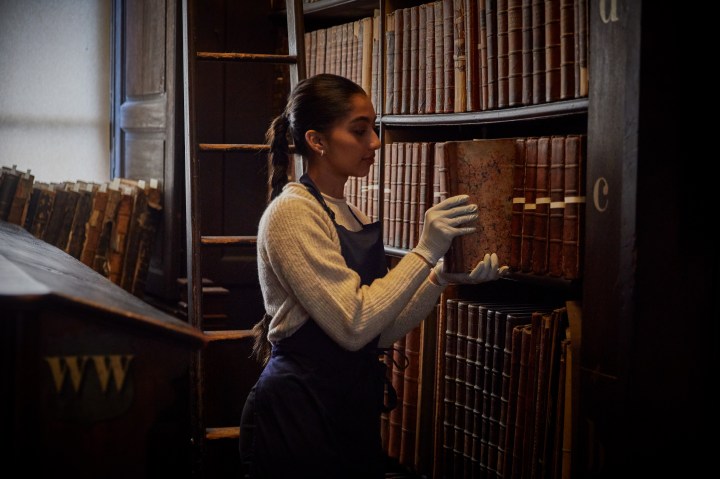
[[229, 335], [232, 147], [247, 57], [222, 433], [229, 240]]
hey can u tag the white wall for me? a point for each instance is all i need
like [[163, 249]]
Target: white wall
[[55, 88]]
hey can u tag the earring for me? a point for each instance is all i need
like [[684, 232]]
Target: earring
[[322, 152]]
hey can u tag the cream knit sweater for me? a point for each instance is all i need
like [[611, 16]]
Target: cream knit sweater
[[303, 274]]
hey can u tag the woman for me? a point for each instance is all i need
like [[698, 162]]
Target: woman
[[331, 303]]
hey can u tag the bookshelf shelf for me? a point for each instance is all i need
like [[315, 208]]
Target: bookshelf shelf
[[339, 9], [533, 112]]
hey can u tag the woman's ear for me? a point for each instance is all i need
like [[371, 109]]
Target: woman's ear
[[315, 141]]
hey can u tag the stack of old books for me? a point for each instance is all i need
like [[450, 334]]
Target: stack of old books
[[109, 227]]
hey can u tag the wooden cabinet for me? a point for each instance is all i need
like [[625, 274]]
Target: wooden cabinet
[[94, 380]]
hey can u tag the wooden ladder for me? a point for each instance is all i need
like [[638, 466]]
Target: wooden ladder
[[195, 239]]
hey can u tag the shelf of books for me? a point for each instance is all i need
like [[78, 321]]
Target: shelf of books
[[487, 98], [110, 227]]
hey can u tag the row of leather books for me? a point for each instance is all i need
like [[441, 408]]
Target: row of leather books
[[507, 391], [530, 192], [462, 55], [350, 50], [110, 227]]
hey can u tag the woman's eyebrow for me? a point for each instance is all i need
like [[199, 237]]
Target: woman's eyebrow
[[362, 118]]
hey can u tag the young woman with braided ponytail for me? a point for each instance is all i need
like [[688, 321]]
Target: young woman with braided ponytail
[[331, 303]]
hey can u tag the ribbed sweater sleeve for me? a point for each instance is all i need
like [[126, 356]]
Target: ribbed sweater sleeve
[[303, 273]]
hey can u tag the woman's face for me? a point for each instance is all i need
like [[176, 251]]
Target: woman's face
[[352, 141]]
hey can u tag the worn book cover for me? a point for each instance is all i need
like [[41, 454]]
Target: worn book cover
[[482, 169]]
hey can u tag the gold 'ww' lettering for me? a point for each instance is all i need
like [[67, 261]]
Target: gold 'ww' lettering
[[115, 364], [118, 366]]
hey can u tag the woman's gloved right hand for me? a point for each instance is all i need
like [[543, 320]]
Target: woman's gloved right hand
[[443, 222]]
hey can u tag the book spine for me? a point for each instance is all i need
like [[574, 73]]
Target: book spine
[[518, 200], [492, 52], [414, 60], [527, 52], [574, 207], [410, 397], [552, 50], [430, 59], [567, 49], [423, 60], [531, 150], [448, 57], [439, 57], [515, 53], [502, 53], [472, 57], [406, 61], [542, 207], [459, 57], [557, 205], [538, 51], [450, 374]]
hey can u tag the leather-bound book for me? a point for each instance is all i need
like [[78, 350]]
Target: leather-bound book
[[557, 205], [459, 57], [119, 233], [472, 57], [99, 263], [515, 52], [400, 195], [552, 50], [375, 82], [482, 49], [9, 179], [574, 207], [406, 42], [550, 417], [518, 200], [393, 194], [513, 318], [582, 51], [538, 51], [366, 69], [527, 52], [491, 46], [542, 207], [58, 228], [407, 196], [471, 368], [414, 60], [506, 462], [450, 373], [567, 49], [526, 243], [482, 169], [94, 225], [412, 236], [460, 427], [389, 63], [398, 61], [516, 469], [320, 45], [448, 60], [310, 46], [422, 58], [502, 53], [439, 57], [425, 189], [429, 39], [23, 190], [29, 213], [83, 209], [139, 213], [387, 192], [476, 342], [531, 393]]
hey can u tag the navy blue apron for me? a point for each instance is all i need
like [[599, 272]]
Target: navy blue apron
[[315, 410]]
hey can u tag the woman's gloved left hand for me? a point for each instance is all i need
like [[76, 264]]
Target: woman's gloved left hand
[[486, 270]]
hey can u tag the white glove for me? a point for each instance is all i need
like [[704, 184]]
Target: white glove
[[486, 270], [443, 222]]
